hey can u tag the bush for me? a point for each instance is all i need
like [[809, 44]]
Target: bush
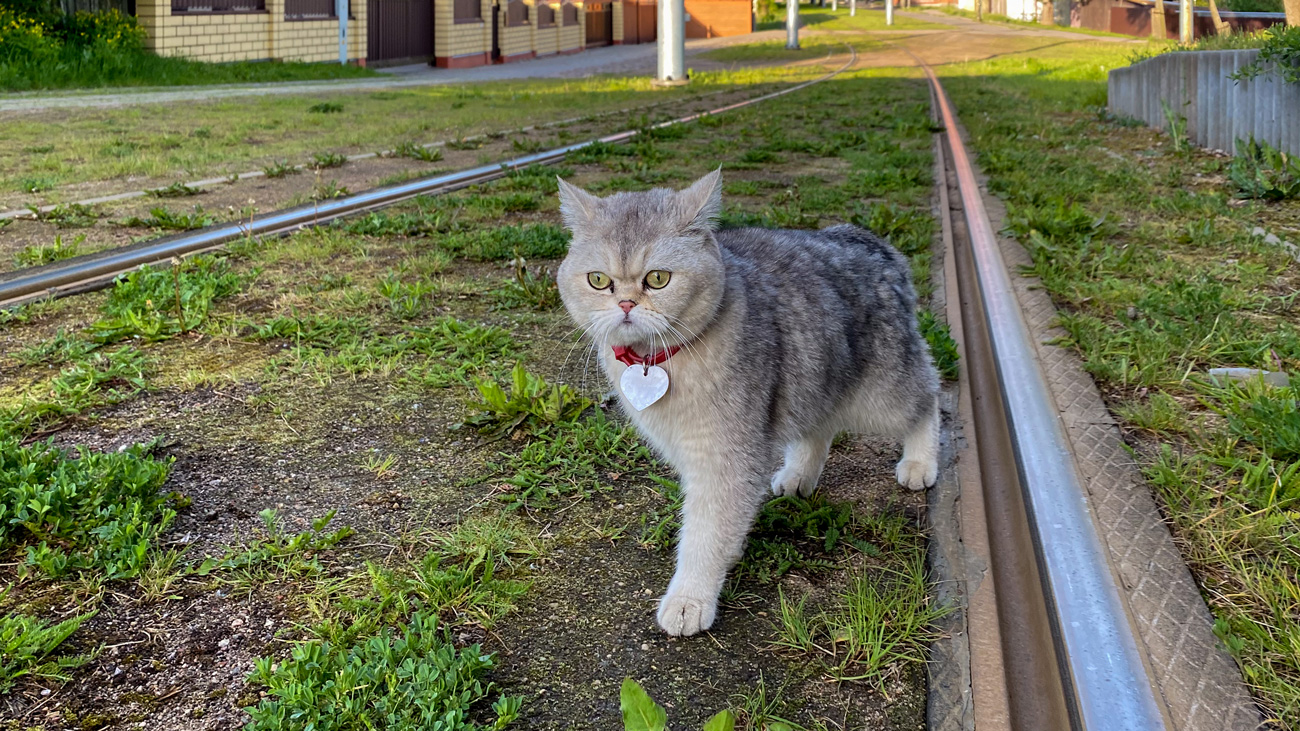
[[1282, 50], [24, 39], [110, 29]]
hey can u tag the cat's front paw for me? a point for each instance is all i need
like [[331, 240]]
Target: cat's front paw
[[789, 483], [682, 615], [916, 475]]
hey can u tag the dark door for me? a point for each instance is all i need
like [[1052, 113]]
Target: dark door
[[647, 17], [600, 23], [399, 31], [496, 32]]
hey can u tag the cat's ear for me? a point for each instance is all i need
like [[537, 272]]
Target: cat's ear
[[702, 202], [577, 206]]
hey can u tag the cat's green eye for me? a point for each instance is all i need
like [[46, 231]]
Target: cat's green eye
[[658, 279], [599, 280]]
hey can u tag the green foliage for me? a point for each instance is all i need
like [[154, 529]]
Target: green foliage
[[533, 288], [175, 190], [280, 169], [536, 179], [811, 535], [437, 355], [277, 544], [532, 403], [572, 459], [417, 152], [531, 241], [94, 511], [67, 215], [1265, 416], [26, 644], [410, 679], [325, 108], [1280, 52], [943, 349], [1262, 171], [102, 380], [641, 713], [156, 304], [38, 255], [322, 160], [165, 219]]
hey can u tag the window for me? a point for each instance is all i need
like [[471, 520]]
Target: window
[[468, 11], [516, 13], [311, 9], [569, 12]]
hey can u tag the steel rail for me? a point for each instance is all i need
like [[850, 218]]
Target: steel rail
[[1105, 681], [96, 271]]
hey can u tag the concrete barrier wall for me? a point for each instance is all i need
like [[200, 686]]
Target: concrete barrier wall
[[1219, 111]]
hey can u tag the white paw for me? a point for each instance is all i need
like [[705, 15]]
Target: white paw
[[915, 475], [681, 615], [788, 483]]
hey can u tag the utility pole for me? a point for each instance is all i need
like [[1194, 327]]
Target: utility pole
[[672, 43], [853, 8], [1185, 22], [889, 12], [835, 5], [791, 24]]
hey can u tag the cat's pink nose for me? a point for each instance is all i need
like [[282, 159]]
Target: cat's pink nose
[[627, 306]]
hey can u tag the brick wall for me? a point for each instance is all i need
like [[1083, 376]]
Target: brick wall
[[713, 18], [457, 45], [617, 9], [569, 39], [516, 42], [546, 40], [247, 36]]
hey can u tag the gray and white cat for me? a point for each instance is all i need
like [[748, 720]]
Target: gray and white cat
[[770, 342]]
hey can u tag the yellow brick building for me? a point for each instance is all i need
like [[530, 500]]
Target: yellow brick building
[[446, 33]]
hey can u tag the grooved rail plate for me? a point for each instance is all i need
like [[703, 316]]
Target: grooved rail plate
[[1199, 681]]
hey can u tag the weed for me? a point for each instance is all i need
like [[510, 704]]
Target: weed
[[175, 190], [36, 184], [26, 644], [1176, 126], [329, 191], [381, 465], [156, 304], [322, 160], [531, 404], [67, 215], [168, 220], [97, 511], [418, 152], [32, 256], [280, 169], [1262, 171], [325, 108], [527, 146], [277, 547], [531, 241], [101, 380], [533, 288], [403, 680], [462, 143], [641, 713], [943, 349], [660, 524], [577, 459], [61, 348], [405, 300]]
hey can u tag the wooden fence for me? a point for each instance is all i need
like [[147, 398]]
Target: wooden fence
[[1195, 86]]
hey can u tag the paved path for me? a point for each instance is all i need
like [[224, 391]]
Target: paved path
[[622, 59]]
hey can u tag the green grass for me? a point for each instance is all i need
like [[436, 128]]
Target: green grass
[[117, 70], [58, 250], [27, 647], [215, 138], [1158, 280], [815, 46]]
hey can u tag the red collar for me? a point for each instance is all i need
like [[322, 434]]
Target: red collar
[[629, 357]]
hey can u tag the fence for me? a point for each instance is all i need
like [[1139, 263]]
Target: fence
[[1219, 111]]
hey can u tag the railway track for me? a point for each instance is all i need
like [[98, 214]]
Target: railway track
[[1068, 655]]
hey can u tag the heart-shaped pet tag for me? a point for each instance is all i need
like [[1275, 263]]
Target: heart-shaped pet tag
[[643, 386]]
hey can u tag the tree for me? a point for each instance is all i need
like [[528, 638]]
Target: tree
[[1292, 8]]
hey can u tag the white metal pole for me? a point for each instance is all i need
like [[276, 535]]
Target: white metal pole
[[672, 42], [341, 9], [853, 8], [889, 12], [1185, 21], [792, 24], [835, 5]]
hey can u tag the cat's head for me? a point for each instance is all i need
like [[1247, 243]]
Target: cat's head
[[643, 269]]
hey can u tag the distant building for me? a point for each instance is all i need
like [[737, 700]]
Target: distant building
[[447, 33]]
